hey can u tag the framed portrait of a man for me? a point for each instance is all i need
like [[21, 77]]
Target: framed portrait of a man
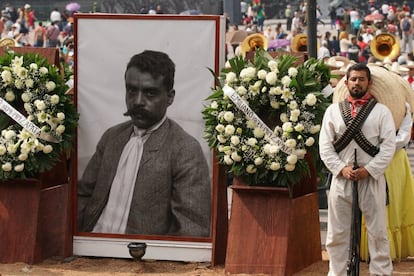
[[143, 170]]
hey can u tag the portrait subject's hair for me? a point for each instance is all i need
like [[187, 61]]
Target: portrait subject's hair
[[359, 67], [155, 63]]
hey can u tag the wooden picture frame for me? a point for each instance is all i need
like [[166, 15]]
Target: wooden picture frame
[[103, 45]]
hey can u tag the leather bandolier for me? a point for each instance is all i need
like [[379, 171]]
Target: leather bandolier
[[354, 125]]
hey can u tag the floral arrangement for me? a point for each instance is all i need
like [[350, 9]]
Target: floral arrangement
[[287, 98], [37, 90]]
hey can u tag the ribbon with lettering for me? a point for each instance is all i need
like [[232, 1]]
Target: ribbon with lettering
[[24, 122], [251, 115]]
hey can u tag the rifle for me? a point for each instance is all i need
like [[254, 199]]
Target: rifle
[[355, 239]]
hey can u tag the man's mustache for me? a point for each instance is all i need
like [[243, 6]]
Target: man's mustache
[[136, 111]]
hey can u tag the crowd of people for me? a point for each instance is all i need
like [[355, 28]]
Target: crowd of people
[[22, 25]]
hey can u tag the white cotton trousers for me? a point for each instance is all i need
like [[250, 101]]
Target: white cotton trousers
[[372, 197]]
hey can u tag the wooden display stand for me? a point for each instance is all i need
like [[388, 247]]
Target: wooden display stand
[[273, 231], [34, 220]]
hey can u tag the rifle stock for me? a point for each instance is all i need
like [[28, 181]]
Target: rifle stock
[[355, 238]]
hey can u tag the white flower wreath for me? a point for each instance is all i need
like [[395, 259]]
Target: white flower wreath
[[36, 89], [287, 98]]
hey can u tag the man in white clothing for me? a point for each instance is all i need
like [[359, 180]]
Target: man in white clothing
[[374, 142]]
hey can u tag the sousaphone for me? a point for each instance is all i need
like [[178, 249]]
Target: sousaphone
[[385, 45], [253, 41], [299, 43], [8, 42]]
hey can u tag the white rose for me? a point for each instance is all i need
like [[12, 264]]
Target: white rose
[[26, 97], [6, 76], [228, 116], [293, 105], [290, 167], [9, 96], [231, 77], [54, 100], [274, 166], [18, 83], [273, 66], [60, 129], [229, 130], [266, 149], [6, 167], [28, 107], [290, 143], [50, 86], [310, 141], [19, 168], [11, 149], [221, 138], [29, 83], [251, 124], [261, 74], [251, 169], [299, 127], [3, 150], [252, 142], [300, 153], [311, 99], [47, 149], [295, 113], [60, 116], [315, 129], [235, 140], [258, 161], [241, 90], [286, 81], [33, 66], [292, 72], [23, 156], [40, 105], [287, 127], [235, 156], [271, 78], [292, 159], [9, 134], [284, 118], [43, 70], [274, 104], [258, 132], [220, 128], [228, 160], [247, 74], [214, 105]]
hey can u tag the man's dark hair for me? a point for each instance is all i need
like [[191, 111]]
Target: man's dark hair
[[155, 63], [359, 67]]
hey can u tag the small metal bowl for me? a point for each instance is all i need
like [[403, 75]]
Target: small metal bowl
[[137, 250]]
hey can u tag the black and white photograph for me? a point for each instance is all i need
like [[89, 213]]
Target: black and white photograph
[[143, 167]]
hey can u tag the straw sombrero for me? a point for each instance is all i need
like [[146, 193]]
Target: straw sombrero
[[387, 88], [337, 62]]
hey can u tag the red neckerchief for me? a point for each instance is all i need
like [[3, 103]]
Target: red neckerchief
[[356, 103], [410, 79]]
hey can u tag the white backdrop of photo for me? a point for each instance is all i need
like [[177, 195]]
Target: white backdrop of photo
[[104, 43]]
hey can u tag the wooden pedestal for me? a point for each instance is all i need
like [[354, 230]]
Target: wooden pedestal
[[35, 223], [271, 233]]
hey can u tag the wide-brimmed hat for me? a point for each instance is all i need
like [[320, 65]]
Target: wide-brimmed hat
[[409, 65], [389, 89], [337, 62], [397, 68]]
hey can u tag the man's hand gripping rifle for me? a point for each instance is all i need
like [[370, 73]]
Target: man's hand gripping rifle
[[353, 257]]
